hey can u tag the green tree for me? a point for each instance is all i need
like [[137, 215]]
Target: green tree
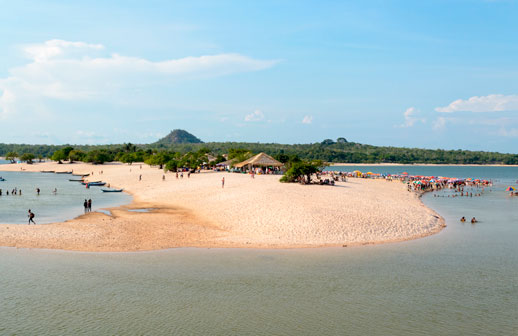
[[27, 157], [59, 156], [97, 156], [76, 155], [302, 170], [171, 165], [11, 156]]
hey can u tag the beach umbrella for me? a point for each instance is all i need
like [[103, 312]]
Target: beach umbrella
[[405, 173], [510, 189]]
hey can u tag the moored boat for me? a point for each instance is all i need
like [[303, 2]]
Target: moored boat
[[112, 190], [85, 183], [96, 184]]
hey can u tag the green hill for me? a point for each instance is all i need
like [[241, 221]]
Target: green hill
[[178, 136]]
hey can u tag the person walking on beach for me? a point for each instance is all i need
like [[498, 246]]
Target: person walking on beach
[[89, 205], [85, 204], [163, 177], [223, 182], [31, 217], [177, 175], [140, 177]]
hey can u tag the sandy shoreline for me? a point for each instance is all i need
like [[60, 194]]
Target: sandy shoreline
[[255, 213]]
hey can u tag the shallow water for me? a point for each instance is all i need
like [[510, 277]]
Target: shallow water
[[462, 281], [66, 204]]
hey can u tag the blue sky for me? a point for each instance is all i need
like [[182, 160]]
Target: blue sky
[[432, 74]]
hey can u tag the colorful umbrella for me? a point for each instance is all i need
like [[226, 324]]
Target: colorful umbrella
[[510, 189]]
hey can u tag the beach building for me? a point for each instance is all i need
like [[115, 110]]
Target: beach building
[[261, 163]]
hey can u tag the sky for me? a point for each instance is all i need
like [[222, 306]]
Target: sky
[[429, 74]]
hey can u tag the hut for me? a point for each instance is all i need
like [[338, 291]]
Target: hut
[[261, 161]]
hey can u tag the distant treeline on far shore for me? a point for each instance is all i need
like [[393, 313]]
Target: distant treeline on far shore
[[328, 150]]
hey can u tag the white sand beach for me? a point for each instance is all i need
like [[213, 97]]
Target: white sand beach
[[259, 213]]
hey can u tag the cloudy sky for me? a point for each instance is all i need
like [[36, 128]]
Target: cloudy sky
[[433, 74]]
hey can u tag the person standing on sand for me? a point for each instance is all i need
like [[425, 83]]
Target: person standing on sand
[[31, 217], [89, 205], [85, 204], [140, 177], [177, 175], [223, 182], [163, 177]]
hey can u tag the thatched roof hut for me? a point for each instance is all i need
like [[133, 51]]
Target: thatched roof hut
[[260, 160]]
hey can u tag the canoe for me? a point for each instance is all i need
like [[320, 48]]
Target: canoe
[[111, 190], [83, 175], [85, 183], [2, 179], [63, 172], [96, 184], [76, 180], [47, 171]]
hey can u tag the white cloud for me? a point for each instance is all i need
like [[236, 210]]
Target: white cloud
[[257, 115], [410, 117], [57, 48], [78, 71], [490, 103], [307, 120], [440, 123]]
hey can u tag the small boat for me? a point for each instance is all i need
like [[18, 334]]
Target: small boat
[[111, 190], [85, 183], [47, 171], [64, 172], [96, 184], [2, 179], [76, 180], [82, 175]]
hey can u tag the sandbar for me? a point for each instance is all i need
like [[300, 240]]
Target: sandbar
[[252, 213]]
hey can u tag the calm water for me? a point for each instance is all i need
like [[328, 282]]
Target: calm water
[[67, 203], [462, 281]]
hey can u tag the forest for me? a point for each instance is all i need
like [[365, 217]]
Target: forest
[[328, 151]]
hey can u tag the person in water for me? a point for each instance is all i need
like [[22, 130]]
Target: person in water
[[85, 204], [463, 219], [31, 217], [89, 205], [473, 220]]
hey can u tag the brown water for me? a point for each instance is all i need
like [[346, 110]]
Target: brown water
[[462, 281]]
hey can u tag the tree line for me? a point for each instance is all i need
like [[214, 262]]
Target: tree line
[[328, 150]]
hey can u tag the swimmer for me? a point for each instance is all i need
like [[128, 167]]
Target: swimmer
[[473, 220], [463, 219]]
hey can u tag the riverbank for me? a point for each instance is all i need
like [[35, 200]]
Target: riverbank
[[258, 213]]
